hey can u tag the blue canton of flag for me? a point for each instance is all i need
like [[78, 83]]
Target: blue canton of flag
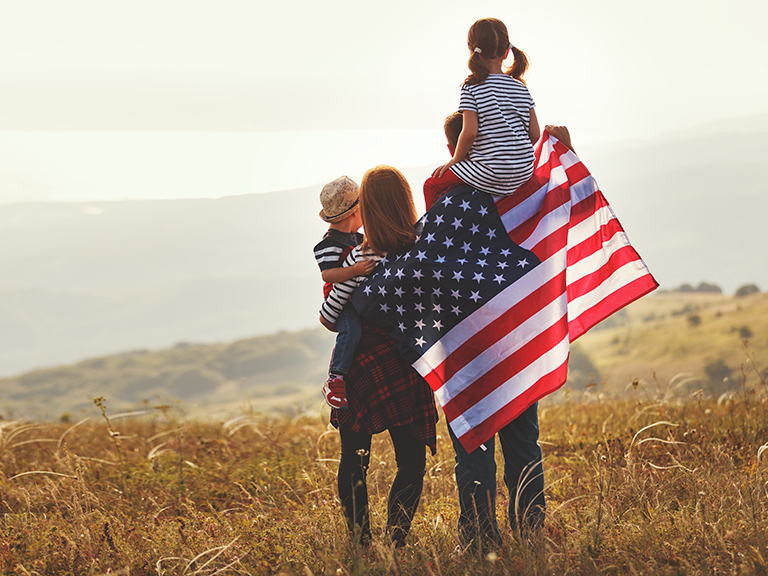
[[462, 258]]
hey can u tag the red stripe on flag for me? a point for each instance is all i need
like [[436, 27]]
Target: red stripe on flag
[[538, 180], [587, 207], [551, 244], [554, 200], [610, 304], [576, 173], [506, 203], [616, 260], [507, 368], [595, 242], [510, 320], [481, 433]]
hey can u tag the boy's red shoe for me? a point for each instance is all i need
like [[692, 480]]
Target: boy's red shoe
[[335, 392]]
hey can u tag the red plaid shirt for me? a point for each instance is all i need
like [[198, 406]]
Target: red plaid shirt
[[384, 391]]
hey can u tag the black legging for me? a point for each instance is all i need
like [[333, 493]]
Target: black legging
[[406, 488]]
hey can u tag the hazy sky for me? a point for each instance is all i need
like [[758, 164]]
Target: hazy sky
[[609, 70]]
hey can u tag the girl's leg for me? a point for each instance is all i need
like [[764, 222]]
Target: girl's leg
[[406, 488], [353, 491]]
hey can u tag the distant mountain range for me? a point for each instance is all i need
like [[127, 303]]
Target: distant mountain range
[[84, 280]]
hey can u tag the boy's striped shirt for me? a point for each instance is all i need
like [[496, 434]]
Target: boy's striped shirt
[[341, 293]]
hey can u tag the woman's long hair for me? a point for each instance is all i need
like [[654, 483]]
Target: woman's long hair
[[490, 36], [387, 210]]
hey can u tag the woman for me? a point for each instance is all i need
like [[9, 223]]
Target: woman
[[383, 391]]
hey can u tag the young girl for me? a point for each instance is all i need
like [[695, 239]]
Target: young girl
[[494, 152], [384, 393]]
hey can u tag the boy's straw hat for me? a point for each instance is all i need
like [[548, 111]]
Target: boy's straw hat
[[339, 199]]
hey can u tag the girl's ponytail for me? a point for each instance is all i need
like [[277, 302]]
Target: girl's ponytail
[[519, 65], [477, 67]]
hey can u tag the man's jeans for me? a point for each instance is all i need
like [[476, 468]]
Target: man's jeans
[[523, 475]]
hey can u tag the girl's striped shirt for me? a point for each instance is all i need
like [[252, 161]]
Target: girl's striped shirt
[[501, 157]]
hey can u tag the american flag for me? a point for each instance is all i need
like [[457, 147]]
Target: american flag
[[487, 301]]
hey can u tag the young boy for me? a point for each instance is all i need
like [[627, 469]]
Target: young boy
[[435, 187], [340, 209]]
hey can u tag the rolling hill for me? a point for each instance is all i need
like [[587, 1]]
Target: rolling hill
[[673, 342]]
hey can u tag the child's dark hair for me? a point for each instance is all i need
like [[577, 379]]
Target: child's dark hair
[[452, 127], [489, 37]]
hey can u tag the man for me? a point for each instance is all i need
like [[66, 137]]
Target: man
[[476, 471]]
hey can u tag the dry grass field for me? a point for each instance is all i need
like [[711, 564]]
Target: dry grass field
[[637, 483]]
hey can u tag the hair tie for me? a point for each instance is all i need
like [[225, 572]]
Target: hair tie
[[478, 50], [511, 47]]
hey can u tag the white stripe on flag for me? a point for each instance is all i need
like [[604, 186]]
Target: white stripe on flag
[[592, 263], [524, 211], [511, 389], [537, 323], [614, 283], [582, 189], [587, 227]]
